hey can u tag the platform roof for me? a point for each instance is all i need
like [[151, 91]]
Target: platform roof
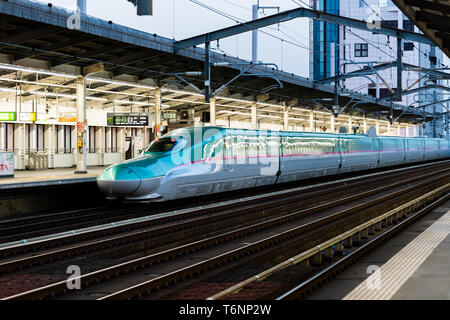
[[432, 17], [37, 35]]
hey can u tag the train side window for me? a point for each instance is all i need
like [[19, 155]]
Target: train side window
[[240, 149], [273, 145], [228, 149], [253, 147], [262, 146], [213, 149]]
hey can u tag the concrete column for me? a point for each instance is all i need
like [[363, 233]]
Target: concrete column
[[317, 259], [388, 128], [81, 141], [311, 121], [50, 134], [254, 115], [357, 239], [121, 134], [158, 112], [398, 130], [365, 125], [101, 147], [377, 124], [333, 124], [407, 131], [21, 142], [33, 133], [285, 119], [339, 248], [348, 243], [350, 130], [212, 111], [2, 136]]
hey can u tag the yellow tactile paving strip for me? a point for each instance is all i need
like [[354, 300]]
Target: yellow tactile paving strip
[[387, 280]]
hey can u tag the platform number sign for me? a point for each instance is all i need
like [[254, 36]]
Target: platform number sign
[[128, 119]]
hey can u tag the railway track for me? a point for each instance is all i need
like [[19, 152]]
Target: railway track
[[224, 233], [329, 257], [17, 229]]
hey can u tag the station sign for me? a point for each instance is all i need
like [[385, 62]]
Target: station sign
[[169, 115], [127, 119], [27, 116], [7, 116], [68, 117], [44, 117]]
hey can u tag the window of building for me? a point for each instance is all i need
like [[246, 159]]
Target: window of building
[[361, 50], [389, 23], [385, 92], [408, 25], [385, 3], [408, 46]]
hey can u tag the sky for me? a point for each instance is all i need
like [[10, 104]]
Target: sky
[[188, 19]]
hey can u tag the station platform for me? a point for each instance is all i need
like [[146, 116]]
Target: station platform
[[50, 177], [413, 265], [52, 190]]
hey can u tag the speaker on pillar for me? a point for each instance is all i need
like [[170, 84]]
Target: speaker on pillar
[[206, 116], [184, 115]]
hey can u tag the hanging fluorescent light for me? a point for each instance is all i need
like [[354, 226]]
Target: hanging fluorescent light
[[31, 70], [121, 83]]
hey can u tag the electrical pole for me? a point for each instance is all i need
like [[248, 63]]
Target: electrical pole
[[255, 11], [81, 4]]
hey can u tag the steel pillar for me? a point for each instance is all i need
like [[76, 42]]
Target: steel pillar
[[157, 113], [81, 131], [212, 111], [207, 71]]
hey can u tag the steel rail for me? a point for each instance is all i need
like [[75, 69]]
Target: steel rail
[[260, 211], [147, 221], [223, 258], [337, 240], [302, 289], [207, 242]]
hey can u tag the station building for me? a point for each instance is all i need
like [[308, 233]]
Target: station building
[[339, 50]]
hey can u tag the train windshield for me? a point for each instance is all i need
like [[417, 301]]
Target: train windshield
[[162, 145]]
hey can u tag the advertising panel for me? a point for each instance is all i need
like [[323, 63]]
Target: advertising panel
[[6, 164]]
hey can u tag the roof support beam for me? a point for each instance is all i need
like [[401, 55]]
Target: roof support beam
[[293, 14]]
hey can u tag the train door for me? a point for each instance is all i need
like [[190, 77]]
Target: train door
[[377, 149], [343, 151]]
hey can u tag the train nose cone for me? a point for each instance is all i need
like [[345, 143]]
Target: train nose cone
[[119, 181]]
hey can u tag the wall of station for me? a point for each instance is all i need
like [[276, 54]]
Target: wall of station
[[45, 136], [50, 136]]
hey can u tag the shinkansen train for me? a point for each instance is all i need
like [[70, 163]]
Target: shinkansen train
[[196, 161]]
